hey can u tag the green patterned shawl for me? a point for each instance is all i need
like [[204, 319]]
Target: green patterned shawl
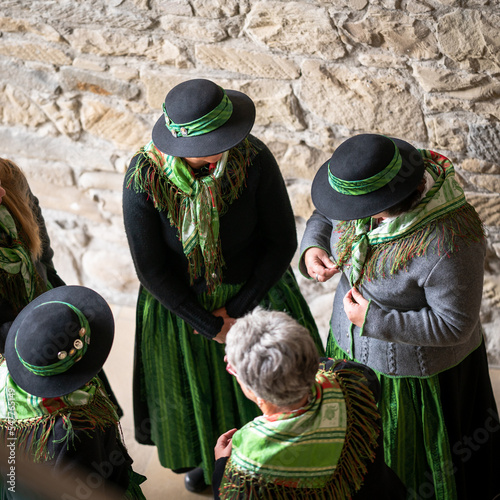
[[194, 204], [319, 449], [23, 415], [370, 249], [19, 285]]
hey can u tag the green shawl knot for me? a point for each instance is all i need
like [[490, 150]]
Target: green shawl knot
[[194, 204], [372, 250], [320, 449]]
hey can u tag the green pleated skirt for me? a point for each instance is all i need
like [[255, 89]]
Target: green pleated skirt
[[441, 433], [184, 399]]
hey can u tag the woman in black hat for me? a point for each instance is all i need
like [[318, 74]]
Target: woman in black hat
[[26, 268], [212, 233], [394, 221], [54, 407]]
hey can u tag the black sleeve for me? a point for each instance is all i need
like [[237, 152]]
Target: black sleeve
[[218, 474], [153, 259], [279, 235]]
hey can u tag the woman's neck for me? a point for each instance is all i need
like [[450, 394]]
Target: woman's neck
[[269, 409]]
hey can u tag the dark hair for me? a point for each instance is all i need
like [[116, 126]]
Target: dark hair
[[408, 203]]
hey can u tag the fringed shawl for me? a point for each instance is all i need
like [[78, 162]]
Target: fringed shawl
[[19, 281], [319, 451], [374, 252], [194, 204], [28, 421]]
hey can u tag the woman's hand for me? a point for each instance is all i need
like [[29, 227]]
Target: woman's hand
[[228, 323], [355, 306], [224, 445], [318, 264]]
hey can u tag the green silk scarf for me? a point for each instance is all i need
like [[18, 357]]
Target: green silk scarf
[[194, 204], [410, 233], [316, 450], [14, 258]]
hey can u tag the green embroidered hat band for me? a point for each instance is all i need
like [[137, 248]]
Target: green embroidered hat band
[[66, 359], [373, 183], [203, 125]]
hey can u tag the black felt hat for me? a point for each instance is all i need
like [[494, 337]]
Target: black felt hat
[[366, 175], [59, 341], [202, 119]]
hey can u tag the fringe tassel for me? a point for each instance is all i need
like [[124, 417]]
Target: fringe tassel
[[386, 259], [33, 435], [359, 448]]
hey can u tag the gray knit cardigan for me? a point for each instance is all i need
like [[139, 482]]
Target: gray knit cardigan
[[420, 320]]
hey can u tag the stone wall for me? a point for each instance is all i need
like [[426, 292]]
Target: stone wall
[[83, 82]]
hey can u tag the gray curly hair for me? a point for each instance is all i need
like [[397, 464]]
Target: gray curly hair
[[273, 355]]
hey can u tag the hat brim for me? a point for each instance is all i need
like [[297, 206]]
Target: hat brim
[[338, 206], [222, 139], [101, 323]]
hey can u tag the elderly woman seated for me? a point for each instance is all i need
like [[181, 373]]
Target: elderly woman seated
[[320, 433]]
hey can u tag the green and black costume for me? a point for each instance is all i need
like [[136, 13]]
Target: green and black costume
[[224, 239]]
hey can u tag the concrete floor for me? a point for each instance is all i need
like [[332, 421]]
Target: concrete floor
[[161, 483]]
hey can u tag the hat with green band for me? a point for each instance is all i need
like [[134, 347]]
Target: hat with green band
[[366, 175], [200, 119], [59, 341]]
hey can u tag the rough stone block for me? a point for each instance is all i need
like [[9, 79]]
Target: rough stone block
[[88, 64], [64, 115], [436, 79], [484, 141], [301, 161], [489, 183], [275, 102], [119, 277], [362, 100], [300, 197], [401, 34], [46, 31], [489, 110], [23, 77], [101, 180], [70, 198], [216, 9], [17, 108], [197, 29], [474, 165], [49, 173], [158, 84], [382, 60], [77, 155], [35, 52], [122, 128], [448, 132], [73, 79], [108, 42], [292, 27], [249, 63], [176, 7], [487, 206], [460, 34]]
